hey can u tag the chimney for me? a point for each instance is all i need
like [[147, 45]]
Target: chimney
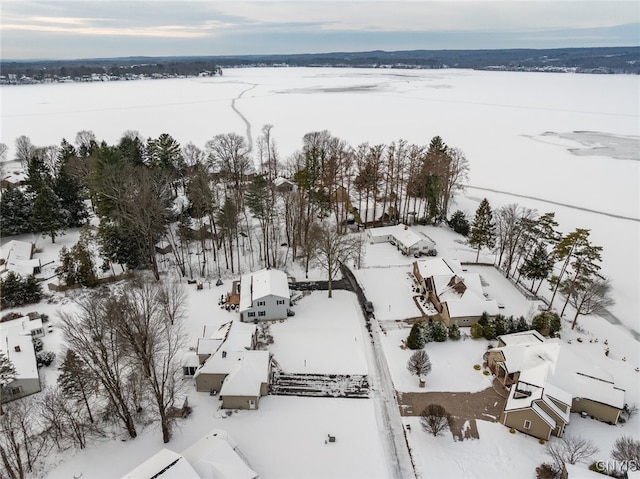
[[224, 354], [17, 348]]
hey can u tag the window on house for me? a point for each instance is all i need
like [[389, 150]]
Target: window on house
[[262, 313], [280, 301], [15, 391], [261, 303], [251, 314], [527, 424], [189, 370]]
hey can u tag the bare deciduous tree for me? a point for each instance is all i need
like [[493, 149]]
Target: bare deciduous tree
[[22, 443], [333, 249], [92, 330], [626, 449], [419, 363], [591, 297], [435, 419], [569, 449], [150, 329]]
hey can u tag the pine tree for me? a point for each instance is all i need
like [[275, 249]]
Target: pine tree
[[416, 338], [483, 233], [459, 223], [48, 216], [15, 212], [76, 380], [454, 332], [68, 187], [7, 374], [538, 266], [439, 332]]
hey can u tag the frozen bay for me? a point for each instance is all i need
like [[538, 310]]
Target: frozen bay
[[555, 142]]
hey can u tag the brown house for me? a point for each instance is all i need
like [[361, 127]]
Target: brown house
[[532, 367], [538, 411], [456, 294]]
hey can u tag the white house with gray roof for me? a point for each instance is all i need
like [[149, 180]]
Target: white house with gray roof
[[264, 295]]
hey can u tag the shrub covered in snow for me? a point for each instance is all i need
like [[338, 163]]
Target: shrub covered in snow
[[45, 358]]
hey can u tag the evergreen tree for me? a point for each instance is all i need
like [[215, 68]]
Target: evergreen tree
[[77, 265], [15, 212], [68, 187], [476, 331], [541, 322], [522, 325], [416, 338], [76, 380], [439, 332], [47, 215], [564, 251], [16, 291], [489, 331], [459, 223], [585, 270], [7, 374], [454, 332], [501, 325], [482, 233], [537, 267]]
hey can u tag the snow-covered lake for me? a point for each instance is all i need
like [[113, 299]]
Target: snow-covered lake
[[555, 142]]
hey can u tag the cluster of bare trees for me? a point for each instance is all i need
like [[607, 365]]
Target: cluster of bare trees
[[121, 369], [210, 210]]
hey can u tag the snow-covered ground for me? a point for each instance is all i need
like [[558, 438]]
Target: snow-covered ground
[[559, 141], [499, 120]]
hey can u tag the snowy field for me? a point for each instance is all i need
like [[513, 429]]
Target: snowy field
[[559, 141], [516, 130], [324, 337]]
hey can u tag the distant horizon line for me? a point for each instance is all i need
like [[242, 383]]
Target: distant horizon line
[[335, 52]]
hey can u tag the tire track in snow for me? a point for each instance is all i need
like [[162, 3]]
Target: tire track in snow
[[242, 117], [588, 210]]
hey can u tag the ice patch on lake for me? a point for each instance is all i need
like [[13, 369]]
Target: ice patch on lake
[[596, 143]]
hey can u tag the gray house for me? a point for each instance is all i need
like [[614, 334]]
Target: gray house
[[264, 295]]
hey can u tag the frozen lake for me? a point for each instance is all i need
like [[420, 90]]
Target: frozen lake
[[555, 142]]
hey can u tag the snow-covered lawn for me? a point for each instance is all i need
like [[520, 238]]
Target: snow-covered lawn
[[285, 438], [325, 336], [496, 454], [451, 364], [389, 289]]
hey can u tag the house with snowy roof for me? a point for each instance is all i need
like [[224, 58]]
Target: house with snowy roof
[[17, 345], [532, 367], [264, 295], [215, 456], [235, 370], [18, 257], [404, 238], [456, 294]]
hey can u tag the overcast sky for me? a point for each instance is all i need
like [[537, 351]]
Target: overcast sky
[[111, 28]]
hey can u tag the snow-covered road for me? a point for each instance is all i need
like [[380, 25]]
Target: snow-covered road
[[383, 393]]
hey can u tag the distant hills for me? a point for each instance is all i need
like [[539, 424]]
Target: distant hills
[[605, 60]]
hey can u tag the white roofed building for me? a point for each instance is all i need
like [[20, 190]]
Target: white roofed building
[[264, 295], [457, 295], [17, 345], [404, 238], [526, 363], [18, 256], [215, 456], [235, 370]]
